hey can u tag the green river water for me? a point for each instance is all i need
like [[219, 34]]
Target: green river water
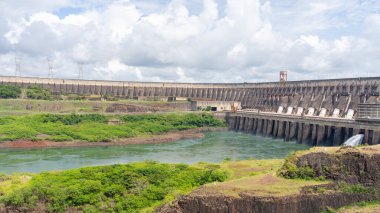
[[215, 147]]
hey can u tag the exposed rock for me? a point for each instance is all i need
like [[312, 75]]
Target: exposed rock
[[350, 165], [303, 203]]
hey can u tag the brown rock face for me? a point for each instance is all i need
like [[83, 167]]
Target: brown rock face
[[304, 203], [351, 165]]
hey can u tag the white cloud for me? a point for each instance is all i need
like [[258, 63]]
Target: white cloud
[[222, 41]]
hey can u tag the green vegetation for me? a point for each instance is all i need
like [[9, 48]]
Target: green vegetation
[[359, 207], [95, 128], [353, 188], [9, 91], [37, 92], [91, 104], [291, 171], [117, 188]]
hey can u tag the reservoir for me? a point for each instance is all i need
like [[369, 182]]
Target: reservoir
[[214, 147]]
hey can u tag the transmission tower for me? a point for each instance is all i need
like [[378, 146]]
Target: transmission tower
[[80, 71], [50, 65], [18, 66]]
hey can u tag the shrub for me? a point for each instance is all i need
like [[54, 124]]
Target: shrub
[[122, 188], [37, 92], [9, 91], [73, 119]]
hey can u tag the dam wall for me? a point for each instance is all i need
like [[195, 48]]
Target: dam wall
[[318, 112], [326, 95], [309, 130]]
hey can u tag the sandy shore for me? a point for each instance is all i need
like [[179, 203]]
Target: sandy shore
[[146, 139]]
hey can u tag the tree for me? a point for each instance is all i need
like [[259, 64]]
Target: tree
[[37, 92], [9, 91]]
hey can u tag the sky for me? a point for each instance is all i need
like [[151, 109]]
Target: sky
[[224, 41]]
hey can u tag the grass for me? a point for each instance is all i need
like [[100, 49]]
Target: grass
[[362, 207], [338, 150], [258, 177], [95, 127]]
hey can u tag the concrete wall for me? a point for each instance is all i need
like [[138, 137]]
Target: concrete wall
[[342, 94], [310, 131], [219, 105]]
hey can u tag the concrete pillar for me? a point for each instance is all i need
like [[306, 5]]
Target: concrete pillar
[[250, 125], [275, 127], [306, 134], [246, 121], [376, 137], [231, 122], [259, 126], [346, 133], [265, 123], [299, 133], [293, 131], [287, 130], [237, 123], [254, 130], [337, 136], [281, 129], [241, 125], [329, 136], [269, 128], [321, 135], [314, 135], [366, 137]]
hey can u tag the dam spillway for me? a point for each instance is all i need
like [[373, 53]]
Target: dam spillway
[[316, 112], [308, 130]]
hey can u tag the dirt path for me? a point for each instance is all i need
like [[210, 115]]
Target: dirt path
[[146, 139]]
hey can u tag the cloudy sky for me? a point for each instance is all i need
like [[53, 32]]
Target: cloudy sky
[[191, 41]]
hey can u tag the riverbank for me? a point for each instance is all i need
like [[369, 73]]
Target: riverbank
[[145, 139], [83, 129]]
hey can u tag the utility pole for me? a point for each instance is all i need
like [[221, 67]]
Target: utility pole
[[50, 65], [80, 71], [18, 66]]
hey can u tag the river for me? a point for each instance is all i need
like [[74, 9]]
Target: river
[[214, 147]]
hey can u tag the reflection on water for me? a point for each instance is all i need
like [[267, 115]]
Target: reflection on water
[[215, 147]]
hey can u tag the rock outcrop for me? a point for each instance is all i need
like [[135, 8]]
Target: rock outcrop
[[303, 203], [345, 166]]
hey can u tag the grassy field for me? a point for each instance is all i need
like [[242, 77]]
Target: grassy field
[[257, 177], [96, 127]]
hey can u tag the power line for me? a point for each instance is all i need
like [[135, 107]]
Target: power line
[[80, 71], [18, 66], [50, 65]]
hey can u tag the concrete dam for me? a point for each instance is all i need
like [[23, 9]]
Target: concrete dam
[[316, 112]]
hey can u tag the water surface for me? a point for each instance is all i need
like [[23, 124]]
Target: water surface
[[215, 147]]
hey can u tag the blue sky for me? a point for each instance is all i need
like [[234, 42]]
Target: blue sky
[[192, 41]]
